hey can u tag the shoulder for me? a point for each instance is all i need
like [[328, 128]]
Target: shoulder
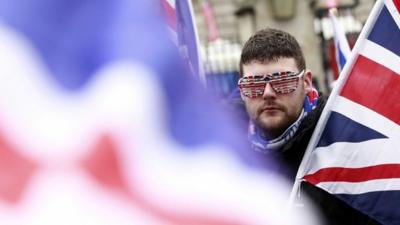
[[308, 124], [293, 150], [312, 118]]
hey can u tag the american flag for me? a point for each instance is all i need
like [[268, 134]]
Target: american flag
[[354, 152], [100, 124]]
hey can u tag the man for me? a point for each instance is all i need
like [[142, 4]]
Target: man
[[283, 109], [276, 88]]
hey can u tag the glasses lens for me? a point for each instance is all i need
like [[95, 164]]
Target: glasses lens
[[252, 86], [253, 91], [282, 83], [285, 85]]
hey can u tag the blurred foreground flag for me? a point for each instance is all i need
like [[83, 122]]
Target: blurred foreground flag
[[100, 124], [354, 152]]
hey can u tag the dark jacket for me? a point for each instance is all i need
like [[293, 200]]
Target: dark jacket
[[292, 152], [332, 210]]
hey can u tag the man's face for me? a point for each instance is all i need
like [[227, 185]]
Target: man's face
[[272, 111]]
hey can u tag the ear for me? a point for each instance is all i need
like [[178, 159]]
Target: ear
[[307, 81]]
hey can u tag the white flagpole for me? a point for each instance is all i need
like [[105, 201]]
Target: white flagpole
[[336, 90]]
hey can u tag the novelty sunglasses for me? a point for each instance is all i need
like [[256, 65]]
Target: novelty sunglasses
[[281, 82]]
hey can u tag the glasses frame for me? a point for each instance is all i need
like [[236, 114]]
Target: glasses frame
[[257, 83]]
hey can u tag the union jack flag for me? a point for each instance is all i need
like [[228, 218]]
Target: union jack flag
[[342, 48], [354, 152]]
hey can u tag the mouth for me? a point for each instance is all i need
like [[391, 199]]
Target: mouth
[[270, 109]]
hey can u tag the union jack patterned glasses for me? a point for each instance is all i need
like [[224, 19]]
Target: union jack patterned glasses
[[281, 82]]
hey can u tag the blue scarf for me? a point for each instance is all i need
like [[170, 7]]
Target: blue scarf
[[261, 144]]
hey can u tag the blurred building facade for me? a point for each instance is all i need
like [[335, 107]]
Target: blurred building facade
[[237, 20]]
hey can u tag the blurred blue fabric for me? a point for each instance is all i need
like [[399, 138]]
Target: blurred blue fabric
[[77, 37]]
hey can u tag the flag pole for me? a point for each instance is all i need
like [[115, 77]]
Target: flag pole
[[336, 90]]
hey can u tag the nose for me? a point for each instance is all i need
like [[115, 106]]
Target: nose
[[269, 91]]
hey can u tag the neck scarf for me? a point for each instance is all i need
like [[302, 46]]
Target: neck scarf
[[260, 142]]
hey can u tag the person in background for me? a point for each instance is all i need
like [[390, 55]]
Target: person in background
[[283, 109]]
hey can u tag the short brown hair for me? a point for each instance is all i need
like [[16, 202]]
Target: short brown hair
[[269, 45]]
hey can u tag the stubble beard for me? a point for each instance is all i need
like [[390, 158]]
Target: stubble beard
[[273, 123]]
